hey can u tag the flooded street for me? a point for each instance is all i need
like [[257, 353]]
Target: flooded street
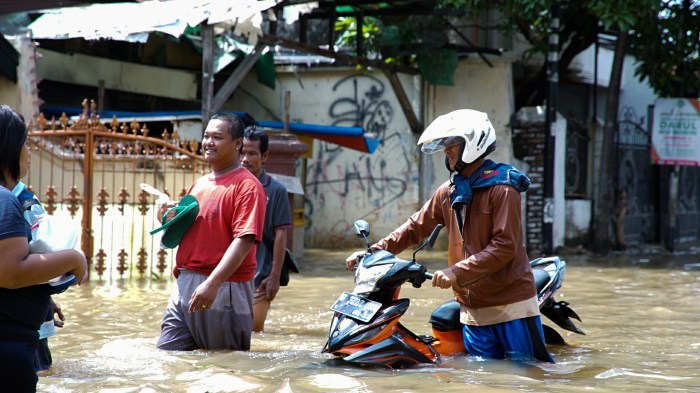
[[640, 315]]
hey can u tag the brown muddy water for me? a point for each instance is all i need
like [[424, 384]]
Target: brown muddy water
[[640, 314]]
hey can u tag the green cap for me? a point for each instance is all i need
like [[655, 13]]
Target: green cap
[[185, 213]]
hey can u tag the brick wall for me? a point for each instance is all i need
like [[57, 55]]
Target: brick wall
[[528, 146]]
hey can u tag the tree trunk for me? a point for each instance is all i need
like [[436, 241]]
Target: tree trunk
[[604, 195]]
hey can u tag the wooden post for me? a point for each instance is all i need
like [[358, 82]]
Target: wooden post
[[404, 102], [231, 84], [207, 72], [287, 103]]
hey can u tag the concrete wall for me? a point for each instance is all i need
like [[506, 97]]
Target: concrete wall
[[476, 86], [386, 187], [578, 221], [22, 95], [343, 185]]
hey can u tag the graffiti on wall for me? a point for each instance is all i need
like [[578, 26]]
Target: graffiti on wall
[[368, 108], [341, 187]]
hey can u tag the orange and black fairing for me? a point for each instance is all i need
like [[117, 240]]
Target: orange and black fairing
[[384, 341]]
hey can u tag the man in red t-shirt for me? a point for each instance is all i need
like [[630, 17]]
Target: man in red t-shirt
[[211, 307]]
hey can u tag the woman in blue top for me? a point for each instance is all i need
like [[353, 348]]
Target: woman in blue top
[[24, 301]]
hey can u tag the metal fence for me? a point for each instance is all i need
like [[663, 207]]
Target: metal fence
[[688, 213], [91, 171], [637, 180]]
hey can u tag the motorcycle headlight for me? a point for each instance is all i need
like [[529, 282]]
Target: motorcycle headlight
[[365, 336], [366, 277]]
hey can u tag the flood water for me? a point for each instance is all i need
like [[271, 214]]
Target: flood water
[[640, 315]]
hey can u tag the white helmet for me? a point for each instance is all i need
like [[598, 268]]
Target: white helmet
[[463, 125]]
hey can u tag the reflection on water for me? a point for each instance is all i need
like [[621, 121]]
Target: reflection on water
[[640, 316]]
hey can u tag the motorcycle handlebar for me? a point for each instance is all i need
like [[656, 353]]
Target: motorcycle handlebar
[[428, 275]]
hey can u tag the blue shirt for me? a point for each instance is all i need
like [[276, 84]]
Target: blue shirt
[[23, 310]]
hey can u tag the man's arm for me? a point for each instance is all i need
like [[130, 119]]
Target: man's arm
[[413, 230], [281, 215], [21, 269], [271, 283], [420, 224], [205, 294]]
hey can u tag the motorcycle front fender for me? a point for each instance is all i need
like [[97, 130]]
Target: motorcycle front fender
[[347, 331], [391, 352]]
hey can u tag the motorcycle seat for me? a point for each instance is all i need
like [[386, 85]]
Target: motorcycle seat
[[541, 279], [446, 317]]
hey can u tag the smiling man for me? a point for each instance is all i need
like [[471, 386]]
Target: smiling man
[[212, 305]]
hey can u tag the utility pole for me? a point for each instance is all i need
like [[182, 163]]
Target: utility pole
[[674, 171], [550, 129]]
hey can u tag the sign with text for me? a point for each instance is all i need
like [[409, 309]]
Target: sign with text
[[675, 134]]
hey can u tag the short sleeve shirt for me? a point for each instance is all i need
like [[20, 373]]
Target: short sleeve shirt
[[277, 215], [22, 310], [230, 206]]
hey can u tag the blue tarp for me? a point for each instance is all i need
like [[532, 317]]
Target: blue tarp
[[351, 137]]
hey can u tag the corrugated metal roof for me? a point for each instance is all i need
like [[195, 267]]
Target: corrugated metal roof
[[10, 7], [133, 21]]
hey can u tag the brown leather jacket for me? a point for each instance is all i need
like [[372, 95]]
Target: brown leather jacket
[[489, 261]]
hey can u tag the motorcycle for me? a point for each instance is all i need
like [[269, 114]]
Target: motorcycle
[[366, 327]]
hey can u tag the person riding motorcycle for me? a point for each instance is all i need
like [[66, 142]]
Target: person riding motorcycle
[[488, 267]]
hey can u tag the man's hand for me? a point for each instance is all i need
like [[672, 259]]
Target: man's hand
[[351, 261], [56, 309], [271, 284], [443, 279], [203, 297], [163, 208]]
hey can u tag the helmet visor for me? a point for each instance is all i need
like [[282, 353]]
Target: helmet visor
[[441, 144]]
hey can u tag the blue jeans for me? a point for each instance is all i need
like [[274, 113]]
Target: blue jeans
[[521, 339]]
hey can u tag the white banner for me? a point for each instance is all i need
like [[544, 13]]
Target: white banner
[[675, 134]]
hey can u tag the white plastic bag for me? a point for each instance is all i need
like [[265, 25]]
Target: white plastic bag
[[53, 233]]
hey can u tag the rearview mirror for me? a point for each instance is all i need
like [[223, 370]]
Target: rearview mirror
[[361, 228], [433, 236], [430, 241]]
